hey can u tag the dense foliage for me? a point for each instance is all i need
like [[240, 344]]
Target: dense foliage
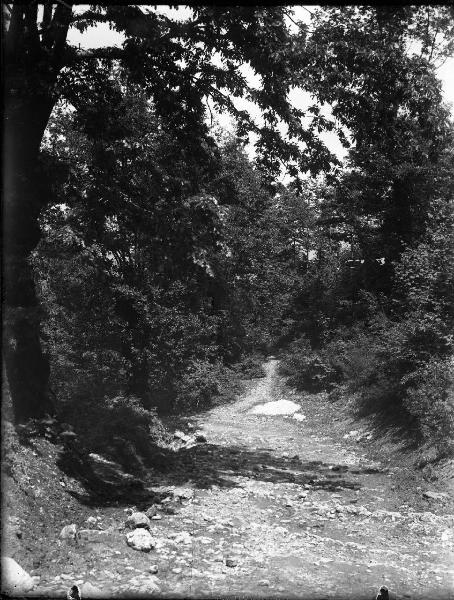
[[166, 261], [387, 311]]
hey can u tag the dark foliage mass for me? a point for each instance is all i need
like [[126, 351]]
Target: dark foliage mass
[[150, 263]]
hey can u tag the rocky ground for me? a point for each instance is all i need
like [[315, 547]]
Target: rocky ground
[[301, 505]]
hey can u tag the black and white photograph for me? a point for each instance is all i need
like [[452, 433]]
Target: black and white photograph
[[227, 301]]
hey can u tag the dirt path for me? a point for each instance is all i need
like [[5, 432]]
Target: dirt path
[[278, 507]]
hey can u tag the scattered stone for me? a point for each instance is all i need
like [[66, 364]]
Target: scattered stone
[[138, 520], [156, 517], [92, 521], [340, 468], [264, 583], [88, 590], [299, 417], [153, 569], [146, 586], [69, 533], [140, 539], [176, 570], [231, 562], [183, 538], [180, 435], [353, 434], [373, 469], [385, 594], [93, 535], [169, 509], [111, 473], [435, 495], [183, 493], [15, 580]]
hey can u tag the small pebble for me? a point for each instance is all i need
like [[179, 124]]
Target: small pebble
[[230, 562]]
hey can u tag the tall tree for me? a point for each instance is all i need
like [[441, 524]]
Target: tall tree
[[172, 61], [387, 95]]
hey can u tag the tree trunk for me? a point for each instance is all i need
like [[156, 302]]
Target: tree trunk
[[27, 368]]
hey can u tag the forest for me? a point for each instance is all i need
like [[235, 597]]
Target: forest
[[151, 261], [228, 282]]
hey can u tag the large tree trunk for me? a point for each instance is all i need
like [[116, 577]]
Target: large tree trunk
[[24, 196]]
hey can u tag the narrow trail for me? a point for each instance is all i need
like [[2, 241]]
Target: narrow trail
[[274, 506]]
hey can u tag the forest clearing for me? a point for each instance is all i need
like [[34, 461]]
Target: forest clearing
[[228, 282]]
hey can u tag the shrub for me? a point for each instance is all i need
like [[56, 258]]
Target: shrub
[[251, 367], [205, 384], [430, 398], [119, 428], [306, 369]]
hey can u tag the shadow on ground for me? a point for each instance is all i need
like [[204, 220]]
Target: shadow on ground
[[207, 465]]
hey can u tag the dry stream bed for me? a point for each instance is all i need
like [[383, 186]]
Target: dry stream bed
[[282, 500]]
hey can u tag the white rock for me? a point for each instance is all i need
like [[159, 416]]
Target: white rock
[[138, 519], [180, 435], [14, 579], [91, 521], [299, 416], [69, 532], [140, 539], [278, 407]]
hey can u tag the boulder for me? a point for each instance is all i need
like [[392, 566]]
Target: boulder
[[92, 522], [231, 562], [140, 539], [69, 533], [15, 580], [111, 472], [138, 520]]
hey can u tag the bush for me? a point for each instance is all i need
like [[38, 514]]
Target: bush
[[203, 385], [306, 369], [251, 367], [430, 398], [119, 428]]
